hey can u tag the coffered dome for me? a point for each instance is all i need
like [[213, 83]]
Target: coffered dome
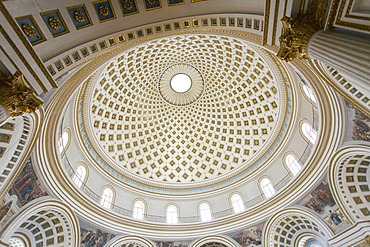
[[228, 117]]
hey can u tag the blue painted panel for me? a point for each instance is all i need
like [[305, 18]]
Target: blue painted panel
[[79, 16], [27, 22], [129, 7], [55, 23], [104, 10]]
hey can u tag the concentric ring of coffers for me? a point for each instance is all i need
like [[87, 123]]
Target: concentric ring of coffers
[[230, 126]]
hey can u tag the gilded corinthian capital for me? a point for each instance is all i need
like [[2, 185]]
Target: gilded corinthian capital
[[16, 97], [297, 32]]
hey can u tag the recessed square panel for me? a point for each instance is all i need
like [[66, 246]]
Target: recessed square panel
[[30, 29], [79, 16], [152, 4], [129, 7], [55, 22], [175, 2], [104, 10]]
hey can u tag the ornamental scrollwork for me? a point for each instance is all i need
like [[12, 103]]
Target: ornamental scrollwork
[[16, 96], [152, 2], [79, 16], [104, 10], [29, 30], [296, 32], [54, 23], [127, 4]]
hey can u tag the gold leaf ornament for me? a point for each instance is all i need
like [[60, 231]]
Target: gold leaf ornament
[[152, 2], [79, 16], [104, 10], [29, 30], [54, 23], [128, 4]]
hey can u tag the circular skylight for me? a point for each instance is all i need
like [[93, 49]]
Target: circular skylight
[[181, 83]]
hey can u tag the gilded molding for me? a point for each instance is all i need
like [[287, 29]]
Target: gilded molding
[[332, 14], [28, 47], [276, 15], [266, 21]]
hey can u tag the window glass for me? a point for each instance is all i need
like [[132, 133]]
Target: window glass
[[292, 164], [79, 176], [237, 203], [309, 133], [139, 208], [63, 141], [205, 212], [107, 198], [309, 93], [267, 188], [172, 214]]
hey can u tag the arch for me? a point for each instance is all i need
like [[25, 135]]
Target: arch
[[205, 212], [139, 209], [81, 174], [46, 215], [289, 225], [172, 214], [237, 202], [15, 155], [291, 164], [308, 132], [266, 187], [108, 197], [64, 141], [134, 241], [214, 241], [349, 177], [308, 93]]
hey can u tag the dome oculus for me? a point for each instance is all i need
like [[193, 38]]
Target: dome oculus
[[180, 83]]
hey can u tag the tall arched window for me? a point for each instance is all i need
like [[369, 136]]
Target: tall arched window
[[139, 209], [107, 198], [292, 164], [237, 203], [172, 214], [205, 212], [309, 133], [64, 141], [309, 93], [267, 188], [79, 176]]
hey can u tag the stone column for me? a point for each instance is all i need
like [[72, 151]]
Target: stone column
[[16, 97], [349, 54]]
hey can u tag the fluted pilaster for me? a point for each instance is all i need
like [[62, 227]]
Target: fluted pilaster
[[348, 54]]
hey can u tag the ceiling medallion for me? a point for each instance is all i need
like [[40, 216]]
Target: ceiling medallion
[[181, 84]]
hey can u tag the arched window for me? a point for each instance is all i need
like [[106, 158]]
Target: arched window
[[107, 198], [205, 212], [139, 209], [292, 164], [309, 93], [309, 133], [237, 203], [79, 176], [172, 214], [267, 188], [64, 141]]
